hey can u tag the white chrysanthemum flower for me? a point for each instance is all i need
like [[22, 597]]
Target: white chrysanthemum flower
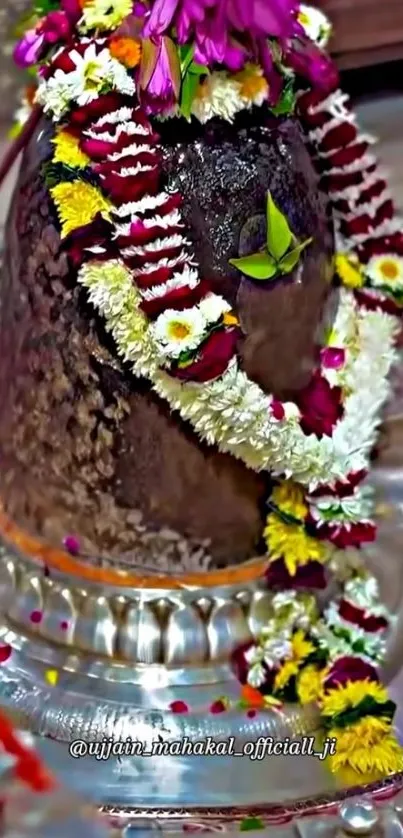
[[386, 271], [214, 307], [94, 71], [55, 94], [176, 332], [316, 25], [254, 89], [218, 96], [105, 14]]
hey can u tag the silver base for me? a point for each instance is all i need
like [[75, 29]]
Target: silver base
[[108, 661]]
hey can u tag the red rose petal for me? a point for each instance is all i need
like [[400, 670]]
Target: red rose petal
[[218, 707], [36, 616], [5, 653], [179, 707]]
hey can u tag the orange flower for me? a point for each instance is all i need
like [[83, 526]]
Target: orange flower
[[253, 698], [126, 50]]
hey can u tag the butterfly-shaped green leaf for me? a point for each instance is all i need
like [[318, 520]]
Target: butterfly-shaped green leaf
[[259, 266], [289, 262], [250, 824], [279, 235]]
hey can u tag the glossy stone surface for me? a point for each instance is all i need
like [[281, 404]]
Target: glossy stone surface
[[87, 449]]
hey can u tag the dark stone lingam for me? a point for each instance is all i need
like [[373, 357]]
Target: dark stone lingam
[[87, 448]]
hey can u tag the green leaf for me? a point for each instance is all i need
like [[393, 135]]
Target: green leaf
[[189, 90], [186, 57], [198, 69], [279, 235], [287, 101], [249, 824], [174, 65], [258, 266], [149, 58], [43, 7], [288, 262]]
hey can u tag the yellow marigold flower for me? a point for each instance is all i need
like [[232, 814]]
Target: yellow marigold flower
[[290, 498], [310, 685], [293, 544], [77, 204], [349, 270], [126, 50], [285, 674], [105, 14], [67, 151], [367, 747], [351, 694]]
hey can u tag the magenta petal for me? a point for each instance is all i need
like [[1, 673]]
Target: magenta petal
[[332, 358], [27, 50], [160, 18]]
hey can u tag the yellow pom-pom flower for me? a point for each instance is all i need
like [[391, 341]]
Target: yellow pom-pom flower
[[67, 151], [350, 695], [77, 205], [349, 270], [293, 544], [290, 498], [301, 648], [287, 540], [310, 685], [368, 747]]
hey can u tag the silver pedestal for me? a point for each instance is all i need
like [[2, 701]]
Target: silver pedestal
[[91, 661]]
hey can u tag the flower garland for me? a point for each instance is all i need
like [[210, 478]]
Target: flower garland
[[330, 661], [106, 67]]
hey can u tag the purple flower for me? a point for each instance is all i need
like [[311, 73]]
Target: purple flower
[[333, 358], [215, 25], [28, 49], [309, 62], [56, 27], [160, 92], [72, 9]]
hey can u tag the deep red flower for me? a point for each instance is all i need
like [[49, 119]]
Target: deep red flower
[[312, 575], [277, 410], [179, 299], [107, 103], [179, 707], [359, 617], [343, 134], [375, 303], [380, 246], [97, 233], [218, 707], [343, 536], [332, 358], [241, 667], [320, 406], [124, 189], [349, 669], [342, 489], [214, 357], [346, 156]]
